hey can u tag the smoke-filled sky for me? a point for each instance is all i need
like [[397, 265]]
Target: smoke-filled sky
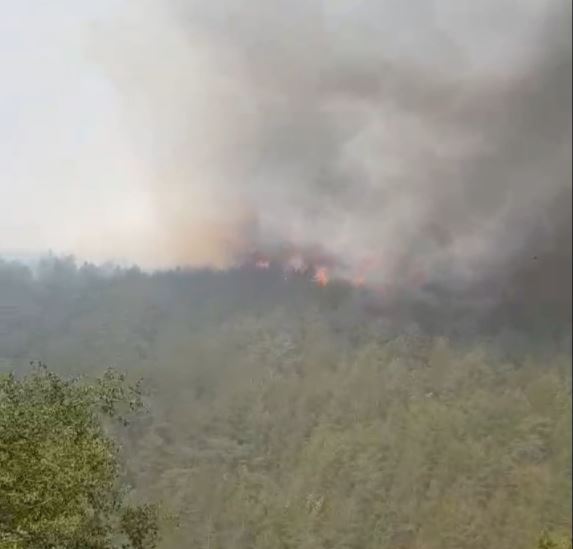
[[396, 137]]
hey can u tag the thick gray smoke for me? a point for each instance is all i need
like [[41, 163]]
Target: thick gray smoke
[[403, 139]]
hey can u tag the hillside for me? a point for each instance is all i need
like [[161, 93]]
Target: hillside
[[285, 414]]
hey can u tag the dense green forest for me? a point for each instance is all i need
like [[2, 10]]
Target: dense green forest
[[280, 414], [60, 473]]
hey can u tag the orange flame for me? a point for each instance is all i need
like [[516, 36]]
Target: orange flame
[[321, 276]]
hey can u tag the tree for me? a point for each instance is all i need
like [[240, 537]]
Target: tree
[[60, 472], [549, 542]]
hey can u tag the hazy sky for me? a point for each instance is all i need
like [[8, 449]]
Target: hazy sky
[[67, 170], [166, 131]]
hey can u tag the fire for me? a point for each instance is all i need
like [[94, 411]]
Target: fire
[[321, 276], [323, 269]]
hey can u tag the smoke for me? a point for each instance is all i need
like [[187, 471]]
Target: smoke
[[398, 138]]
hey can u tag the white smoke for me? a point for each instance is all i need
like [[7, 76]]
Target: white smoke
[[432, 136]]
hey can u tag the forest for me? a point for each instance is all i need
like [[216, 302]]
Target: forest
[[286, 274], [279, 414]]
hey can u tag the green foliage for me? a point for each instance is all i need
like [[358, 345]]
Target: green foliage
[[59, 469], [427, 446], [549, 542], [140, 524], [285, 417]]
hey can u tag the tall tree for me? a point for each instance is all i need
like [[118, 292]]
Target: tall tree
[[60, 472]]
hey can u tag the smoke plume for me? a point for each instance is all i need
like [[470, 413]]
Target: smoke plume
[[401, 139]]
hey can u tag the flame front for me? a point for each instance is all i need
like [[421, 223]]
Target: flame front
[[321, 276], [367, 273]]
